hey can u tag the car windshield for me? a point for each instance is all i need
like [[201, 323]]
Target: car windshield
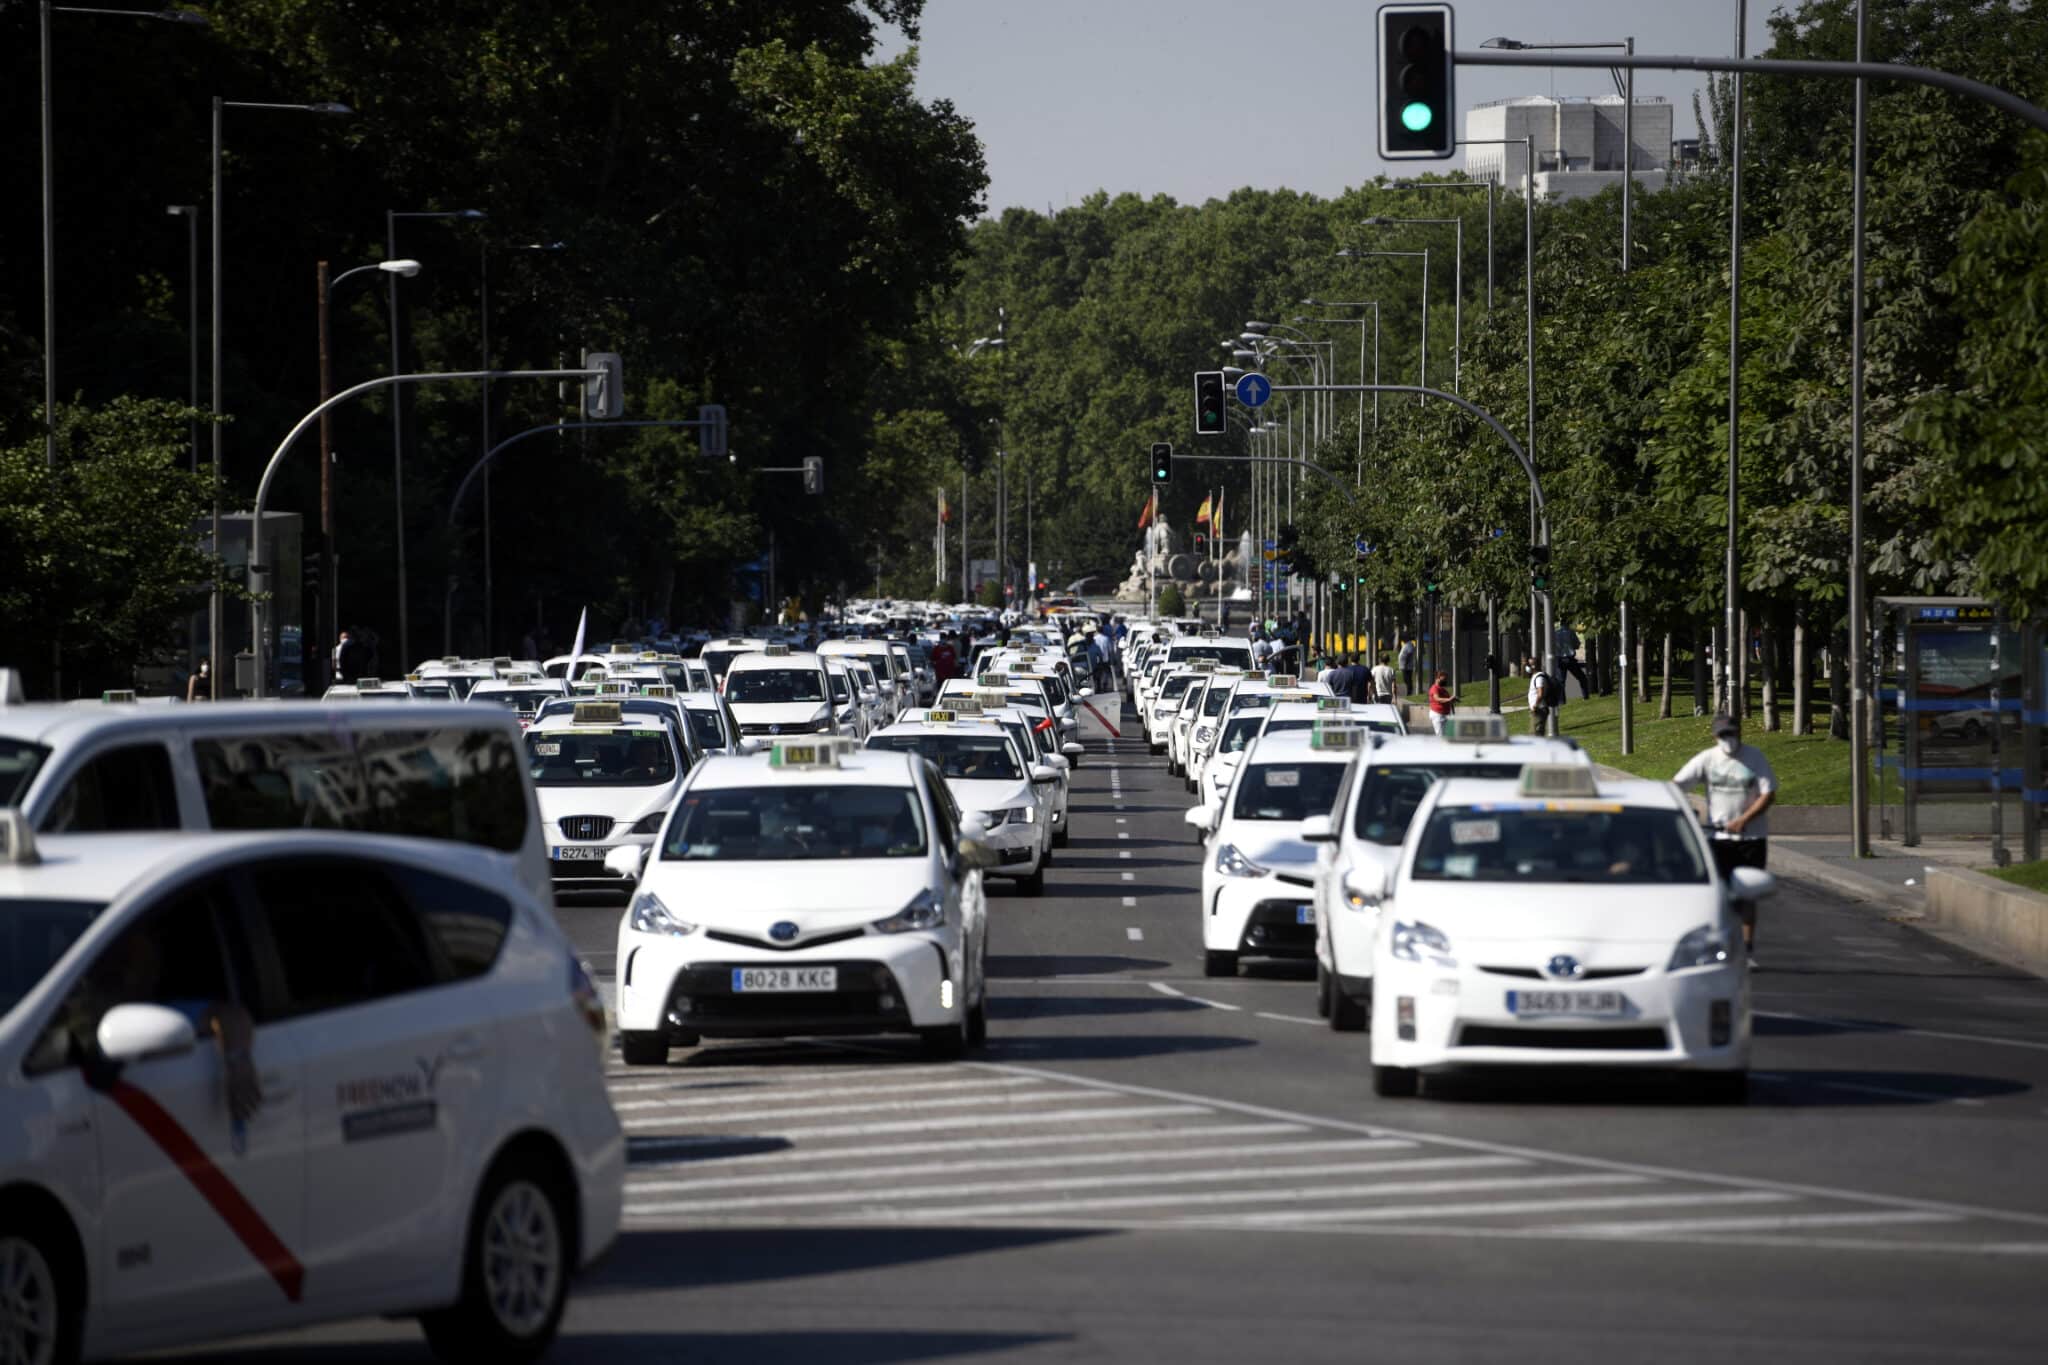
[[840, 691], [1241, 700], [1239, 734], [1558, 841], [706, 726], [526, 702], [1236, 656], [19, 760], [433, 691], [1214, 699], [1287, 791], [1175, 686], [33, 935], [984, 757], [795, 824], [719, 660], [1388, 795], [600, 758], [1275, 727], [774, 685]]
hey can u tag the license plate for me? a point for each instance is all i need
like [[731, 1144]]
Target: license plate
[[765, 980], [1304, 914], [1567, 1002], [573, 853]]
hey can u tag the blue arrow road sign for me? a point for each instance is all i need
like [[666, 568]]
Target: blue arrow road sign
[[1253, 390]]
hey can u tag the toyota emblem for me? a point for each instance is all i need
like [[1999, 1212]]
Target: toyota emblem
[[1564, 967], [782, 931]]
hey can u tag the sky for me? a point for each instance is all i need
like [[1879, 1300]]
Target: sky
[[1196, 98]]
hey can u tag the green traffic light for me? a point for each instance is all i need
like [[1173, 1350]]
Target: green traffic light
[[1417, 116]]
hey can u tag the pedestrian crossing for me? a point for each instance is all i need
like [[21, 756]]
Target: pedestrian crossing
[[804, 1135]]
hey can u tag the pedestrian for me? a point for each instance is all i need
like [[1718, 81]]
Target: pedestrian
[[351, 658], [1443, 699], [945, 660], [1546, 694], [199, 687], [1262, 649], [1406, 662], [1383, 679], [1565, 642], [1326, 673], [1740, 788], [1105, 656]]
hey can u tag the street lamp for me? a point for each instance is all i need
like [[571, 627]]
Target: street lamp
[[1457, 284], [1492, 189], [1359, 323], [1352, 253], [391, 217], [190, 213], [998, 342], [44, 10], [1625, 86], [214, 614]]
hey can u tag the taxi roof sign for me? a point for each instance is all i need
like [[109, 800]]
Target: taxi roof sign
[[17, 839], [992, 680], [1285, 680], [662, 690], [597, 713], [415, 677], [776, 649], [806, 753], [1333, 703], [118, 694], [369, 684], [1335, 735], [1558, 779], [1487, 729], [615, 689], [938, 716]]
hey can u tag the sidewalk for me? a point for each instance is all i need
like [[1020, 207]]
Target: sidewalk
[[1894, 876]]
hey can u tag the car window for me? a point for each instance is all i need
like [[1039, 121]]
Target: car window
[[467, 923], [600, 758], [1239, 734], [705, 725], [1558, 841], [124, 788], [341, 935], [1287, 791], [1389, 794], [774, 685], [984, 757], [795, 824], [170, 955], [19, 762], [34, 933]]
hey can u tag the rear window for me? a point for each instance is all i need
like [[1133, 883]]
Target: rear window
[[1287, 791], [34, 933], [1236, 656], [1388, 795], [451, 783]]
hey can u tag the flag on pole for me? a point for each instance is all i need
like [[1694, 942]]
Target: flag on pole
[[945, 512], [1151, 507], [576, 650], [1216, 521], [1202, 512]]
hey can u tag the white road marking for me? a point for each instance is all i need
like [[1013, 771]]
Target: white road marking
[[1152, 1138], [1285, 1018], [1125, 854], [1121, 1180], [1165, 989], [1128, 876], [1135, 934], [1502, 1208], [831, 1130], [1769, 1223], [728, 1099], [1121, 821], [807, 1111], [1121, 834], [1130, 901]]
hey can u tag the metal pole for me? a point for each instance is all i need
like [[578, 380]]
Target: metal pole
[[1859, 730], [1491, 189], [1425, 320], [1628, 692], [398, 445], [1628, 158], [214, 614], [1529, 349], [965, 594], [483, 293], [1731, 638], [50, 254], [1458, 311], [317, 648]]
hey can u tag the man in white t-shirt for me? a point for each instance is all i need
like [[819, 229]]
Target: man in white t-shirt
[[1740, 788], [1383, 680]]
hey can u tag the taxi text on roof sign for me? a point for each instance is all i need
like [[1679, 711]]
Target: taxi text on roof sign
[[776, 650], [807, 753], [1333, 703], [1558, 779], [664, 690], [597, 713], [1475, 729], [1285, 680], [1335, 735]]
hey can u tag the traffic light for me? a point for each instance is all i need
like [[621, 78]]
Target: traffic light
[[814, 474], [1432, 577], [1418, 110], [310, 578], [1209, 420], [604, 393], [1162, 462], [1539, 567], [712, 431]]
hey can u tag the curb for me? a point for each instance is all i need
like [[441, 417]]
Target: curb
[[1806, 868]]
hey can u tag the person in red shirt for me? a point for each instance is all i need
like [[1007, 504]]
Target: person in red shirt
[[945, 662], [1442, 698]]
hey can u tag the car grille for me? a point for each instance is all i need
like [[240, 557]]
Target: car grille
[[1590, 974], [1272, 927], [1565, 1039], [748, 940], [586, 826]]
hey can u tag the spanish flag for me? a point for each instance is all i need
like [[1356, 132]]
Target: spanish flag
[[1202, 513], [1151, 507], [1216, 522], [945, 512]]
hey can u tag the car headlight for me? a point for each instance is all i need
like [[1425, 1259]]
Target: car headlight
[[1411, 942], [925, 911], [1232, 863], [1203, 733], [649, 824], [846, 716], [1010, 815], [1160, 712], [822, 723], [1705, 946], [650, 916]]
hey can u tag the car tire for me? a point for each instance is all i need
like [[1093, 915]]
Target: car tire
[[1154, 749], [1061, 837], [511, 1304], [946, 1043], [1346, 1015], [1322, 992], [1033, 885], [977, 1021], [1216, 963], [1722, 1087], [45, 1318], [1396, 1082], [637, 1048]]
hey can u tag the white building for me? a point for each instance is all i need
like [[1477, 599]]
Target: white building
[[1578, 144]]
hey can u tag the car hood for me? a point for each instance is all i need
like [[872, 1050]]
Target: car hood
[[820, 895], [1002, 794], [1269, 845], [1560, 916]]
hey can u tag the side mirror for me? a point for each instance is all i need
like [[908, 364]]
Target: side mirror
[[974, 853], [1203, 817], [973, 824], [626, 861], [1751, 884], [1073, 748], [1044, 772], [1317, 829], [1086, 692], [1057, 763], [749, 746], [134, 1033]]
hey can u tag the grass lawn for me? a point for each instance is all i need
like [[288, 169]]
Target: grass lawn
[[1813, 770], [2033, 876]]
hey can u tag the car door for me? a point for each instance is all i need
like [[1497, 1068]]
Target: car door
[[202, 1218], [397, 1054]]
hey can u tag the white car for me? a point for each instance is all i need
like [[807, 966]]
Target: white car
[[604, 778], [776, 692], [1363, 842], [1560, 921], [1005, 792], [522, 694], [1257, 871], [850, 715], [1206, 722], [253, 1082], [1035, 735], [814, 889]]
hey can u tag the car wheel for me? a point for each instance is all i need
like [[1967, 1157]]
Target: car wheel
[[1153, 749], [946, 1043], [1322, 992], [1395, 1082], [1033, 885], [515, 1271], [1346, 1015], [40, 1319], [977, 1021], [1215, 963], [1722, 1087], [1061, 836], [643, 1049]]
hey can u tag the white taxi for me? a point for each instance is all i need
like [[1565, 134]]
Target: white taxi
[[604, 778], [813, 889], [1033, 732], [1164, 705], [1560, 920], [1006, 792], [1363, 840], [367, 689], [775, 691], [1258, 872], [253, 1082]]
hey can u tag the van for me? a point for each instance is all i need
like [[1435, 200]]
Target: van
[[433, 770]]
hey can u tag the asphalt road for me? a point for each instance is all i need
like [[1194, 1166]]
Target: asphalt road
[[1146, 1165]]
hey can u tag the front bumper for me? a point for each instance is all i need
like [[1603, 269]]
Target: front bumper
[[887, 983], [590, 874], [1021, 848], [1696, 1019], [1257, 916]]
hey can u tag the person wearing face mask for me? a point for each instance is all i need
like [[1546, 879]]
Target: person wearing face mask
[[1740, 788]]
